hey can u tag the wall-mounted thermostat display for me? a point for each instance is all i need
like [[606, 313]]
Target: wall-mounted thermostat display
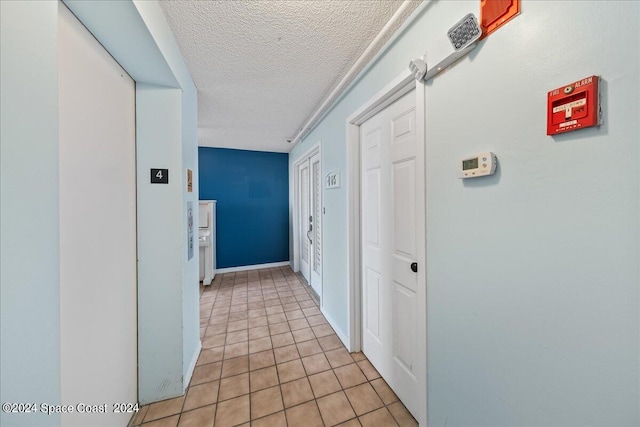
[[574, 106], [480, 164]]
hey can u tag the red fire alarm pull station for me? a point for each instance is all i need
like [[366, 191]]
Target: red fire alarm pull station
[[574, 106]]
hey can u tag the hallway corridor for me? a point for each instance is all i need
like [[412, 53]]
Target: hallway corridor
[[270, 358]]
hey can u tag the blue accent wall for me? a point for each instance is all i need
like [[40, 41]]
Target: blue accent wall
[[252, 190]]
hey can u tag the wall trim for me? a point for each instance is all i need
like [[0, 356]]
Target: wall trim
[[336, 329], [192, 366], [252, 267]]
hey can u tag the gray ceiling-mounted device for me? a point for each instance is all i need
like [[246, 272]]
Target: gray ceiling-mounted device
[[461, 39]]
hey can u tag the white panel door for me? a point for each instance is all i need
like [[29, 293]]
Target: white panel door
[[392, 207], [315, 222], [98, 326], [303, 220]]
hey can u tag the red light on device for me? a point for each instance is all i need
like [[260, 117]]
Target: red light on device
[[574, 106]]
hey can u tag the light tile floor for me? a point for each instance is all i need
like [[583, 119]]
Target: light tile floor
[[270, 358]]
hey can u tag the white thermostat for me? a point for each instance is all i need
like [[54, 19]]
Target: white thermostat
[[480, 164]]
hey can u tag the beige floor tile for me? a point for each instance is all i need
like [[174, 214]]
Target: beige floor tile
[[210, 356], [290, 371], [378, 418], [265, 402], [338, 357], [258, 332], [384, 391], [261, 360], [285, 354], [257, 321], [238, 315], [282, 340], [302, 335], [206, 373], [330, 342], [350, 375], [296, 392], [323, 330], [291, 306], [267, 347], [324, 383], [311, 311], [358, 356], [214, 341], [274, 420], [236, 325], [201, 395], [233, 387], [274, 309], [369, 371], [351, 423], [236, 350], [316, 363], [202, 417], [233, 412], [258, 312], [276, 318], [295, 314], [273, 302], [231, 367], [402, 416], [237, 337], [335, 408], [164, 422], [305, 415], [309, 348], [316, 320], [164, 409], [363, 398], [137, 420], [279, 328], [264, 378], [298, 324], [307, 303]]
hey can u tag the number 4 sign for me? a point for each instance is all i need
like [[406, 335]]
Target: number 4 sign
[[159, 176]]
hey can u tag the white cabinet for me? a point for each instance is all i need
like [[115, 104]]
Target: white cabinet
[[207, 241]]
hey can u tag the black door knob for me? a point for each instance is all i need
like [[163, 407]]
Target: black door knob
[[414, 267]]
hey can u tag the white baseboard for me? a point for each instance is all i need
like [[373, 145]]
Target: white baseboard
[[344, 338], [192, 366], [251, 267]]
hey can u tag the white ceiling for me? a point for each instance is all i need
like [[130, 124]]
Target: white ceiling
[[262, 68]]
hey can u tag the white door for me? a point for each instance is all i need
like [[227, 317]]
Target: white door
[[97, 158], [310, 221], [315, 222], [303, 220], [393, 241]]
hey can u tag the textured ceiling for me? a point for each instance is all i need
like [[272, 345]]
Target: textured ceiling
[[263, 67]]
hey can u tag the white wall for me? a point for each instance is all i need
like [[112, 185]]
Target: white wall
[[532, 274], [29, 255], [138, 37], [159, 243]]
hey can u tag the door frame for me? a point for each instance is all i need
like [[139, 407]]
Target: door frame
[[394, 90], [313, 150]]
